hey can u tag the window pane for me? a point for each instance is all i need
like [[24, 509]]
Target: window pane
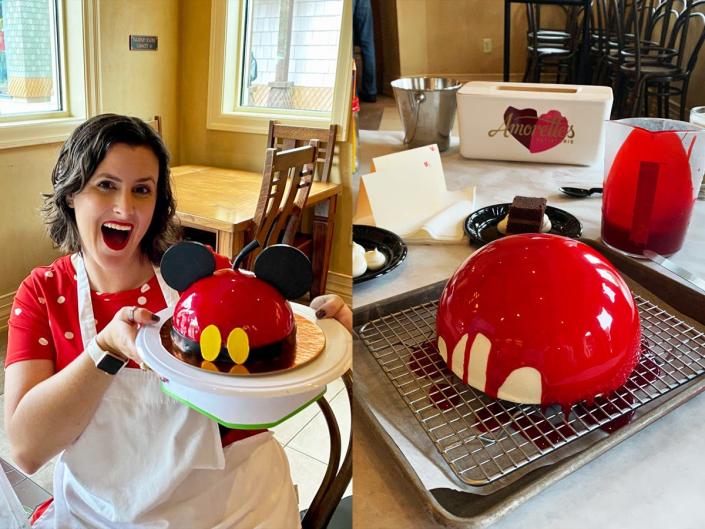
[[291, 51], [29, 81]]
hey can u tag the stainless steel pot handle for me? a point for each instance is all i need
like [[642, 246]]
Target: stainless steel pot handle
[[416, 100]]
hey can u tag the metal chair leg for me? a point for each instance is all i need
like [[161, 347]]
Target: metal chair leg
[[335, 480], [683, 96], [527, 69], [638, 94]]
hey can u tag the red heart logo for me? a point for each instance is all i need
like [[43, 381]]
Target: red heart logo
[[536, 133], [520, 124], [550, 130]]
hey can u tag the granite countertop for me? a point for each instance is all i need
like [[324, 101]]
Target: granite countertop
[[498, 182], [653, 479]]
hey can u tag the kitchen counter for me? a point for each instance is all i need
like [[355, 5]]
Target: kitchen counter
[[655, 478], [497, 182]]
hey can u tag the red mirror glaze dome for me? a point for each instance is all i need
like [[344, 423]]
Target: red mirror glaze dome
[[234, 298], [539, 319]]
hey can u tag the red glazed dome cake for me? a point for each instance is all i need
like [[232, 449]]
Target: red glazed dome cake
[[233, 316], [539, 319], [211, 319]]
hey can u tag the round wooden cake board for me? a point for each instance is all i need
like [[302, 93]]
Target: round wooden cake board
[[310, 342]]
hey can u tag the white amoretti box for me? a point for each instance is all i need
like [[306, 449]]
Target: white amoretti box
[[545, 123]]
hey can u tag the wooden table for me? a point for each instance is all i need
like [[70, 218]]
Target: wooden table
[[583, 68], [223, 201]]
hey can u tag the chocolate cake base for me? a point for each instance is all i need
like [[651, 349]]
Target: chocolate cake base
[[303, 344]]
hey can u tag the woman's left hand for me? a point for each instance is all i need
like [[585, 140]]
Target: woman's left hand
[[333, 306]]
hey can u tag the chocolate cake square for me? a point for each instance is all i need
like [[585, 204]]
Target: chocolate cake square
[[526, 214]]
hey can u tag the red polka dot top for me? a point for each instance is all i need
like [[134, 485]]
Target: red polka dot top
[[44, 318]]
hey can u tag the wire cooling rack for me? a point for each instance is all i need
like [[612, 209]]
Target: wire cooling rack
[[484, 439]]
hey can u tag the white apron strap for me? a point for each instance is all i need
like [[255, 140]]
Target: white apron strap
[[171, 296], [85, 305]]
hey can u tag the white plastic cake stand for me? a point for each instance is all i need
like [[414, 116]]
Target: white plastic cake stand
[[252, 401]]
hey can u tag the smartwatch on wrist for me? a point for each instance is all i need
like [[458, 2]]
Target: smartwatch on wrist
[[105, 360]]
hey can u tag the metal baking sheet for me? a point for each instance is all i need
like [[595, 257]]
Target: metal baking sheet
[[524, 449]]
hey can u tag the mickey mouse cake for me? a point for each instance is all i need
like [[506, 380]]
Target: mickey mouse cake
[[539, 319], [232, 315]]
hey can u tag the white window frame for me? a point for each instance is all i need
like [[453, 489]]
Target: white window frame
[[226, 68], [78, 29]]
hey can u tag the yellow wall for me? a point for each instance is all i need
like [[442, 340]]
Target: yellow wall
[[198, 145], [139, 83], [444, 37], [24, 175]]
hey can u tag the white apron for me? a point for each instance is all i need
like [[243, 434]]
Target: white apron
[[147, 461]]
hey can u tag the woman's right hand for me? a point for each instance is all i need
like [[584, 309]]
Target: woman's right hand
[[118, 336]]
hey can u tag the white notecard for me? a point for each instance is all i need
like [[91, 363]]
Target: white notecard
[[407, 195]]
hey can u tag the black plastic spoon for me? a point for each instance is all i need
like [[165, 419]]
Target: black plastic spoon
[[580, 192]]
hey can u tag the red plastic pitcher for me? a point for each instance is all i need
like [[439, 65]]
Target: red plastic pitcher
[[653, 171]]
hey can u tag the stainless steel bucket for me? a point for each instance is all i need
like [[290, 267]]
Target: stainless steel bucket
[[427, 109]]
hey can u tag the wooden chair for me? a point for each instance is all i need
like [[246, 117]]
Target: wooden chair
[[272, 214], [156, 124], [284, 137]]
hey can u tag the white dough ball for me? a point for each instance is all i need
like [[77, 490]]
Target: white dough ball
[[359, 265], [375, 259]]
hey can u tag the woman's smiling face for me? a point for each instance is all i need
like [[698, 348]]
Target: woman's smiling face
[[114, 210]]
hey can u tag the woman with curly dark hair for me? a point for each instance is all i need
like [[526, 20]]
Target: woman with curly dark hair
[[129, 456], [78, 159]]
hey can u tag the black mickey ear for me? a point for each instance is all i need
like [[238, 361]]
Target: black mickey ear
[[285, 268], [185, 263]]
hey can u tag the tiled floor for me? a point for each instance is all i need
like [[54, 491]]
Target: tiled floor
[[372, 114], [304, 437]]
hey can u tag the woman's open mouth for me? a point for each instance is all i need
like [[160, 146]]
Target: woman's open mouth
[[116, 234]]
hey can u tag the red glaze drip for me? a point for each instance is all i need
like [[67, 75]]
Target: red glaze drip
[[492, 417], [444, 397], [531, 426], [424, 360], [549, 303], [645, 373], [544, 435], [603, 407], [234, 298], [673, 196]]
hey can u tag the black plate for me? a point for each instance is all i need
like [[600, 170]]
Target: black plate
[[481, 225], [390, 244]]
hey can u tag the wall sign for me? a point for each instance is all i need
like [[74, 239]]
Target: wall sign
[[143, 42]]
